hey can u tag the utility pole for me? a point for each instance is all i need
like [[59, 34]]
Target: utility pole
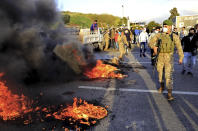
[[128, 23], [122, 14]]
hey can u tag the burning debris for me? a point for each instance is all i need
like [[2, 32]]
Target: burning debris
[[11, 105], [81, 111], [34, 48], [14, 107], [103, 71]]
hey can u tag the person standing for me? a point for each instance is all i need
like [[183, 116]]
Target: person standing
[[163, 45], [196, 30], [175, 31], [112, 34], [116, 39], [128, 35], [106, 39], [122, 40], [94, 26], [137, 33], [190, 45], [183, 33], [133, 35], [143, 39]]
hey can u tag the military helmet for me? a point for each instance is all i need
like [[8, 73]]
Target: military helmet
[[168, 22]]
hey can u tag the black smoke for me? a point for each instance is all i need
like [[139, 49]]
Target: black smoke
[[29, 32]]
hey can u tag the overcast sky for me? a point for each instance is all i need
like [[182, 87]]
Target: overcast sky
[[137, 10]]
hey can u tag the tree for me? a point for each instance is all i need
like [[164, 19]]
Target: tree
[[152, 24], [173, 13], [168, 22], [123, 21]]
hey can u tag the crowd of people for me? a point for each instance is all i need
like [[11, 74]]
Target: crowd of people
[[162, 42]]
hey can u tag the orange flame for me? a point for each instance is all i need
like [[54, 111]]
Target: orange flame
[[1, 74], [11, 105], [78, 57], [81, 111], [103, 71]]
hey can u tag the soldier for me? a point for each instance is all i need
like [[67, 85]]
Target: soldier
[[112, 34], [163, 45], [122, 40], [106, 39]]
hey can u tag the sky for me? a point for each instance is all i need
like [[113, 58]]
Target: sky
[[136, 10]]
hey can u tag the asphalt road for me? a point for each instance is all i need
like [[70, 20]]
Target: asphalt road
[[133, 102]]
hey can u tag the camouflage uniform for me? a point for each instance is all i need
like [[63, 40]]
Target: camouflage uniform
[[122, 40], [106, 39], [165, 60]]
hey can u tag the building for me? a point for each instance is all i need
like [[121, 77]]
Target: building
[[138, 24], [185, 21]]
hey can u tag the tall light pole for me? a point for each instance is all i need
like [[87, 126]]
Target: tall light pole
[[122, 14]]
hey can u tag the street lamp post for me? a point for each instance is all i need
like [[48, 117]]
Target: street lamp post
[[122, 14]]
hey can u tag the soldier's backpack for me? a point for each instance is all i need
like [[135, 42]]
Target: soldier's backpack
[[166, 43]]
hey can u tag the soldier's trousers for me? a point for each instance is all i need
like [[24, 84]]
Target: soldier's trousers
[[106, 44], [121, 50], [165, 61]]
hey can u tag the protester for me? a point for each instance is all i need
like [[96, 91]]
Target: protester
[[163, 45], [94, 27], [133, 35], [196, 28], [143, 39], [183, 33], [112, 37], [190, 45], [128, 35], [175, 31], [116, 39], [137, 33]]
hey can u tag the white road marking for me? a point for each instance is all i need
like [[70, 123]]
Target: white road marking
[[136, 90], [176, 63], [148, 55], [136, 62]]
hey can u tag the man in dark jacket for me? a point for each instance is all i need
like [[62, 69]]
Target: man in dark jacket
[[128, 35], [94, 26], [190, 45]]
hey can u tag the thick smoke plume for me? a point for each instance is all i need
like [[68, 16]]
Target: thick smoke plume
[[30, 33]]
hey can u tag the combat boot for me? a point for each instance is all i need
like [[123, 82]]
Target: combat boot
[[170, 96], [161, 89]]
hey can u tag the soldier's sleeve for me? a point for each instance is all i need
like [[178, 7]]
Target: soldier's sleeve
[[153, 41], [178, 46]]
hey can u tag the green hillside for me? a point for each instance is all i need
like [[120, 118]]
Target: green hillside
[[85, 20]]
